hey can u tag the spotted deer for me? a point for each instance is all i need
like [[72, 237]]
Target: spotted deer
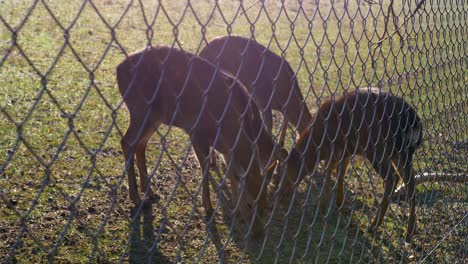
[[268, 77], [379, 126], [164, 85]]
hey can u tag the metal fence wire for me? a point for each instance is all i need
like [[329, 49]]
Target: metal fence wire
[[233, 131]]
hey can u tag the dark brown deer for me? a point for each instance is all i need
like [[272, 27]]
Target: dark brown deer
[[267, 76], [163, 85], [379, 126]]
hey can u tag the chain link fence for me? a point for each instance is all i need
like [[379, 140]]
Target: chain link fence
[[64, 195]]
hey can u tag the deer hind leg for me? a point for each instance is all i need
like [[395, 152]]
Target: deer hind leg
[[130, 168], [202, 151], [128, 144], [390, 177], [340, 181], [134, 143], [405, 170], [141, 160]]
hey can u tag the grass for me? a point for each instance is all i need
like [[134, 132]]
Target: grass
[[63, 185]]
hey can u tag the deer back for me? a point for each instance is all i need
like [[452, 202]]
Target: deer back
[[258, 68]]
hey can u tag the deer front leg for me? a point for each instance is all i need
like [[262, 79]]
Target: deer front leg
[[390, 178], [412, 218], [340, 181], [405, 169], [202, 152], [326, 188]]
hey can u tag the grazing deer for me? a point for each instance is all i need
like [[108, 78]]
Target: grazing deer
[[163, 85], [267, 76], [379, 126]]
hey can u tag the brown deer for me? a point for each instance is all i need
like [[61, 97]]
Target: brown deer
[[379, 126], [267, 76], [163, 85]]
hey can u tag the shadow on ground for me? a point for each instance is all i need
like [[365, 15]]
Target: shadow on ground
[[143, 244]]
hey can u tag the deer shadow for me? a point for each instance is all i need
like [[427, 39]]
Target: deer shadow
[[298, 231], [293, 232], [143, 243]]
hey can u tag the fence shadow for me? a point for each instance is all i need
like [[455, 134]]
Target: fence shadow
[[143, 244], [296, 234], [301, 233]]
